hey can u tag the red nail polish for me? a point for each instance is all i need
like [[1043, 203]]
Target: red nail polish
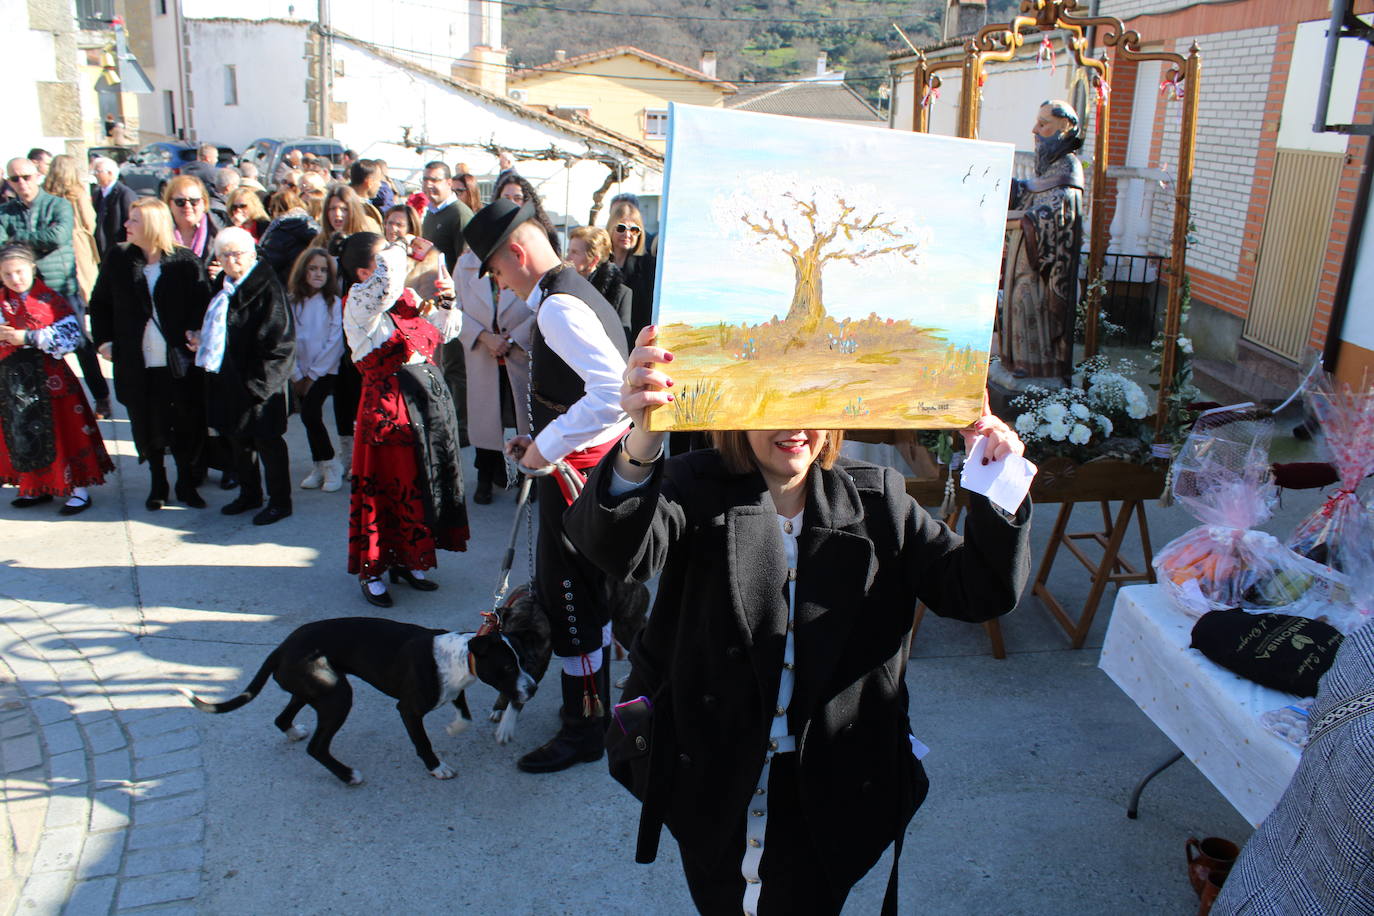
[[985, 461], [667, 357], [670, 383], [670, 397]]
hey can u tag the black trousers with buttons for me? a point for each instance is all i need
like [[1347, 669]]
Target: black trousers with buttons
[[570, 590], [793, 874]]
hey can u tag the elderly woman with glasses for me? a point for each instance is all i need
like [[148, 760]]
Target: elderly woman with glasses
[[193, 225], [247, 347], [631, 255]]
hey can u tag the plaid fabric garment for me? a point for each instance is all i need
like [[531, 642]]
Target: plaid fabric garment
[[1314, 854]]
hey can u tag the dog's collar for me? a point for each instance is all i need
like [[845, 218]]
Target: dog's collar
[[491, 623]]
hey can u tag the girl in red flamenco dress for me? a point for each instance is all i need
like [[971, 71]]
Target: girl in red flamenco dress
[[50, 444], [408, 498]]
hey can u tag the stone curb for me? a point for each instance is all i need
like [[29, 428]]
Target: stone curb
[[124, 789]]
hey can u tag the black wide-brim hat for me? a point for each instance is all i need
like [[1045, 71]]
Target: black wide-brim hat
[[492, 225]]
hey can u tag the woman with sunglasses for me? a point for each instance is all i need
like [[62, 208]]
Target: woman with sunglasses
[[193, 225], [245, 211], [630, 253], [465, 186], [149, 293]]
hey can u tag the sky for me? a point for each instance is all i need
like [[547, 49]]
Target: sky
[[707, 274]]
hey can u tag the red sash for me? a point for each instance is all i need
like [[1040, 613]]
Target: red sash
[[581, 461]]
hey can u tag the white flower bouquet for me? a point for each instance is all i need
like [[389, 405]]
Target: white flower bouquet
[[1100, 415]]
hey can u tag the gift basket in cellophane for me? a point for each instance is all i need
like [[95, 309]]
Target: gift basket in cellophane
[[1223, 477], [1342, 530]]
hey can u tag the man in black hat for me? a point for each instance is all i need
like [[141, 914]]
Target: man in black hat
[[576, 367]]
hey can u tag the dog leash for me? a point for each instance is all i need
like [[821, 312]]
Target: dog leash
[[574, 482], [508, 561]]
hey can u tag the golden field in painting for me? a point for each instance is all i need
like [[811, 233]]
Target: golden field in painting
[[872, 373]]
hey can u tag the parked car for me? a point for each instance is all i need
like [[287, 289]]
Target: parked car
[[119, 154], [148, 170], [266, 153]]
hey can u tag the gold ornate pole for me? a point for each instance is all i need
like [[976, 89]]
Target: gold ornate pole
[[968, 92], [1097, 245], [1183, 196], [920, 116]]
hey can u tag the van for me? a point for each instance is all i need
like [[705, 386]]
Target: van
[[267, 153]]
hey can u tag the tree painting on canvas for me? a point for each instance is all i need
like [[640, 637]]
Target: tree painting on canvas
[[822, 275]]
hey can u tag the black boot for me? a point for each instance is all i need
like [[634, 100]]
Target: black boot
[[157, 494], [186, 484], [581, 738]]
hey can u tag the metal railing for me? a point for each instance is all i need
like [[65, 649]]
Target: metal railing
[[1135, 295]]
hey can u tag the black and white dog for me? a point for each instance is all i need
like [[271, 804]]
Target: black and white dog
[[422, 668], [527, 627]]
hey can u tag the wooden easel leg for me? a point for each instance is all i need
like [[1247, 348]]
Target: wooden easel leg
[[1061, 524], [1104, 571], [994, 631]]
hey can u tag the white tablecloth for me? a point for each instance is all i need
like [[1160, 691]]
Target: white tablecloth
[[1208, 712]]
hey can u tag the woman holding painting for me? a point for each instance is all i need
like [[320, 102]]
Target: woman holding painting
[[765, 717]]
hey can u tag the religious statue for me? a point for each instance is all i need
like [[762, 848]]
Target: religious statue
[[1044, 235]]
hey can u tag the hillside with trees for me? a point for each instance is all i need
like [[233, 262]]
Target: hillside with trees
[[758, 41]]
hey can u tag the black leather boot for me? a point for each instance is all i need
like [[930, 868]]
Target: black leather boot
[[581, 738], [157, 492]]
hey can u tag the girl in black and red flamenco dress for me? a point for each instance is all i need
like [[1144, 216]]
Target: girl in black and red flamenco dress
[[407, 474], [50, 444]]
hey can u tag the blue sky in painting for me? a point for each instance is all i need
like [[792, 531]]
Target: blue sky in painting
[[705, 276]]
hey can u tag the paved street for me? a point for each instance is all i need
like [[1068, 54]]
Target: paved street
[[119, 798]]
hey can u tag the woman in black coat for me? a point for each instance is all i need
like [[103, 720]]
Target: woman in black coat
[[631, 253], [773, 739], [150, 292], [247, 346]]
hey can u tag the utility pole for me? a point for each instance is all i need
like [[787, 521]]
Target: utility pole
[[326, 77]]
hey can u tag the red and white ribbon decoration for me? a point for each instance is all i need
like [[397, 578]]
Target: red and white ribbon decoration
[[1171, 87], [1045, 53]]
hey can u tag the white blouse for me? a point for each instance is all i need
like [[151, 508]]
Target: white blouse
[[780, 741], [154, 344], [367, 323]]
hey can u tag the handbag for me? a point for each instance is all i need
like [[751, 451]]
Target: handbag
[[179, 359]]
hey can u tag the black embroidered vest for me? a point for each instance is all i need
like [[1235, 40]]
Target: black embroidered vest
[[554, 386]]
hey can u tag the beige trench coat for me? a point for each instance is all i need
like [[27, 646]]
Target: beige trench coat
[[83, 246], [510, 316]]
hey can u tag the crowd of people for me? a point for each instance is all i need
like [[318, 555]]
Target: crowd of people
[[224, 309]]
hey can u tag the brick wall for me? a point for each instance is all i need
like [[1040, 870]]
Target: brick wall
[[1237, 71]]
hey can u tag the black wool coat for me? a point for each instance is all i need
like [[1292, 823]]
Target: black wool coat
[[247, 396], [641, 272], [711, 655], [609, 281], [120, 308], [110, 213]]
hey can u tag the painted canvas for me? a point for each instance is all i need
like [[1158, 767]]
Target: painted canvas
[[820, 275]]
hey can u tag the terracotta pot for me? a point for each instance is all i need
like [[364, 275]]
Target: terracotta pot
[[1212, 856], [1210, 890]]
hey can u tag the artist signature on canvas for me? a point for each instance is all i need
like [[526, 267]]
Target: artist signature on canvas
[[932, 406]]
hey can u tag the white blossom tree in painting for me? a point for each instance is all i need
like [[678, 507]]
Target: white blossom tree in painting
[[817, 224]]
